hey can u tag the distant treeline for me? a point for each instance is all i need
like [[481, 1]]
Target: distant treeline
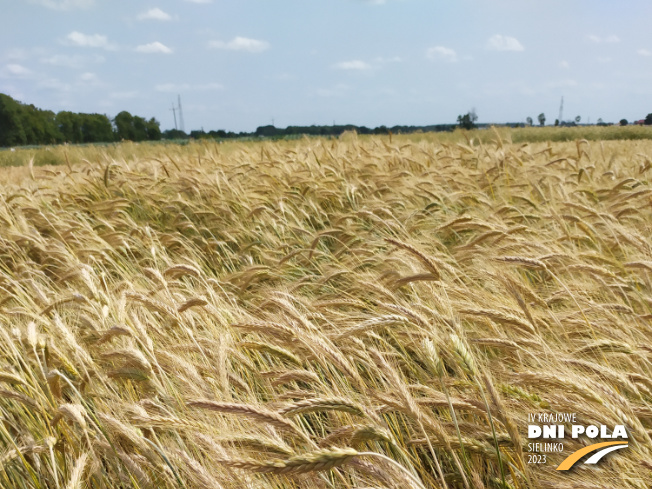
[[335, 130], [278, 132], [22, 124]]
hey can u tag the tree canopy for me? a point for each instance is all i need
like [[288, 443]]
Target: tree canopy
[[467, 121], [22, 124]]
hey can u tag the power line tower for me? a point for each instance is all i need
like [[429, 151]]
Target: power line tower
[[174, 113], [561, 110], [181, 125]]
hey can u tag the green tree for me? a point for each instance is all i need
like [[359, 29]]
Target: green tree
[[266, 131], [26, 124], [623, 122], [174, 134], [140, 128], [12, 132], [124, 126], [96, 128], [38, 125], [153, 130], [648, 120], [529, 121], [69, 125], [542, 119], [467, 121]]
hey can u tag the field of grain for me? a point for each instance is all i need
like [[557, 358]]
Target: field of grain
[[356, 313]]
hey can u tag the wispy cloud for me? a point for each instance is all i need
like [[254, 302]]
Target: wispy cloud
[[393, 59], [644, 52], [611, 39], [241, 44], [155, 14], [65, 4], [498, 42], [184, 87], [16, 70], [353, 65], [72, 61], [564, 64], [441, 53], [154, 48], [200, 1], [76, 38], [89, 79]]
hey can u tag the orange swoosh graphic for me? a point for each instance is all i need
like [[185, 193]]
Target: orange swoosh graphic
[[575, 456]]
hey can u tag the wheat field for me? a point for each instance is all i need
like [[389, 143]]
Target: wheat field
[[378, 312]]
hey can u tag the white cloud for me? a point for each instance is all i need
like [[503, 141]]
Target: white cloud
[[154, 48], [17, 53], [241, 44], [611, 39], [200, 1], [76, 38], [354, 65], [644, 52], [564, 64], [22, 54], [499, 42], [65, 4], [155, 14], [89, 77], [181, 87], [441, 53], [15, 69], [72, 61]]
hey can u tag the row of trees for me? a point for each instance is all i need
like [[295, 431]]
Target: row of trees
[[271, 131], [22, 124], [623, 122], [542, 121], [468, 121]]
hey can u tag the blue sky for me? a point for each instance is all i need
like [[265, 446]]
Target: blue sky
[[243, 63]]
